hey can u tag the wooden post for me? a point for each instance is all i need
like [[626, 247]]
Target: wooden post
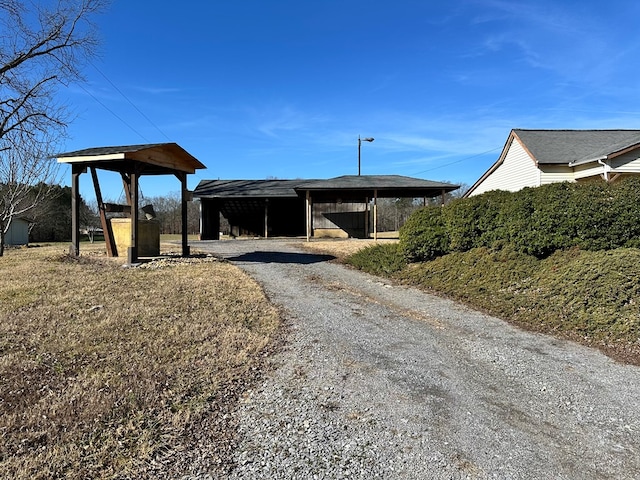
[[266, 218], [126, 185], [184, 229], [308, 214], [132, 251], [112, 250], [366, 217], [375, 215], [74, 249]]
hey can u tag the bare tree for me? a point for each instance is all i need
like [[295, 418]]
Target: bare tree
[[43, 47], [90, 219]]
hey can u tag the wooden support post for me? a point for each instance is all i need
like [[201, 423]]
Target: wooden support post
[[109, 240], [202, 219], [74, 249], [184, 228], [266, 218], [308, 212], [366, 217], [126, 184], [375, 215], [132, 251]]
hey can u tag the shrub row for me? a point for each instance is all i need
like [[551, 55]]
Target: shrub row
[[536, 221]]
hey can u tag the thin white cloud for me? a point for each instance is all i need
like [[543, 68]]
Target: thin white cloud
[[284, 120], [156, 90]]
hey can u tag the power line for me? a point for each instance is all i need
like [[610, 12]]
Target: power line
[[458, 161], [130, 102], [114, 113]]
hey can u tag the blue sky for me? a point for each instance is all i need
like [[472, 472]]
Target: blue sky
[[282, 88]]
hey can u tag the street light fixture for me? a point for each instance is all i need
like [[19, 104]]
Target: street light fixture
[[360, 140]]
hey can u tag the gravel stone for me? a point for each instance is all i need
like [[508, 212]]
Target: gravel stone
[[384, 381]]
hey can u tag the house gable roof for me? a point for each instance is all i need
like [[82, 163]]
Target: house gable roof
[[566, 147]]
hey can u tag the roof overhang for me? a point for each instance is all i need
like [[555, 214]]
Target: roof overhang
[[390, 186], [349, 186], [498, 162], [586, 161], [150, 159]]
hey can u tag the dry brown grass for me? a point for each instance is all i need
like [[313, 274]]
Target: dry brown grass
[[109, 372], [342, 248]]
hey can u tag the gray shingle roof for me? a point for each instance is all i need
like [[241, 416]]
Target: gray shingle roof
[[247, 188], [375, 182], [156, 158], [395, 185], [95, 151], [565, 146]]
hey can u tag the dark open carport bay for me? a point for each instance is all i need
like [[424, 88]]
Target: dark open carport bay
[[385, 381]]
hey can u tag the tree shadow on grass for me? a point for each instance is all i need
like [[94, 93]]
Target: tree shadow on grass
[[282, 257]]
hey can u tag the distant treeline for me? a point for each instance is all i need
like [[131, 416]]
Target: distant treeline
[[50, 221]]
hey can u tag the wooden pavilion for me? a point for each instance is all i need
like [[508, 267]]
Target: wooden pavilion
[[323, 198], [130, 162], [332, 207]]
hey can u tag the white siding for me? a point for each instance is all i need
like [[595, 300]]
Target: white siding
[[593, 169], [555, 174], [628, 163], [516, 172]]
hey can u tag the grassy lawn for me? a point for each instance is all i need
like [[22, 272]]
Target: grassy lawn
[[112, 372]]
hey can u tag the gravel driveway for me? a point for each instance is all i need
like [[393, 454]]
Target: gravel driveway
[[385, 381]]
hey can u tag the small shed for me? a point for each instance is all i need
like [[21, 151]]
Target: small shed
[[18, 232], [131, 162]]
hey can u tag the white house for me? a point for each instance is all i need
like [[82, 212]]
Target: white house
[[531, 158]]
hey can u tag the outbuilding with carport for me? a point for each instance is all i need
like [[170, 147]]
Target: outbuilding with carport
[[337, 207]]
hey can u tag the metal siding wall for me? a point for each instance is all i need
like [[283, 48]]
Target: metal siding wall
[[516, 172], [18, 233]]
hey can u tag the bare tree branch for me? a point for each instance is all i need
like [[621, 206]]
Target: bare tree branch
[[43, 46]]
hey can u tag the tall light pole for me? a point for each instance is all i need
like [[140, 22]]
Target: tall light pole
[[368, 139]]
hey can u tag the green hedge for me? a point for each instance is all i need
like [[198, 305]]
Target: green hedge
[[536, 221], [424, 235], [380, 259]]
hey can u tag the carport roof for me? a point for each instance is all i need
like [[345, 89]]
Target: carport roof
[[247, 188], [368, 182], [383, 185]]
